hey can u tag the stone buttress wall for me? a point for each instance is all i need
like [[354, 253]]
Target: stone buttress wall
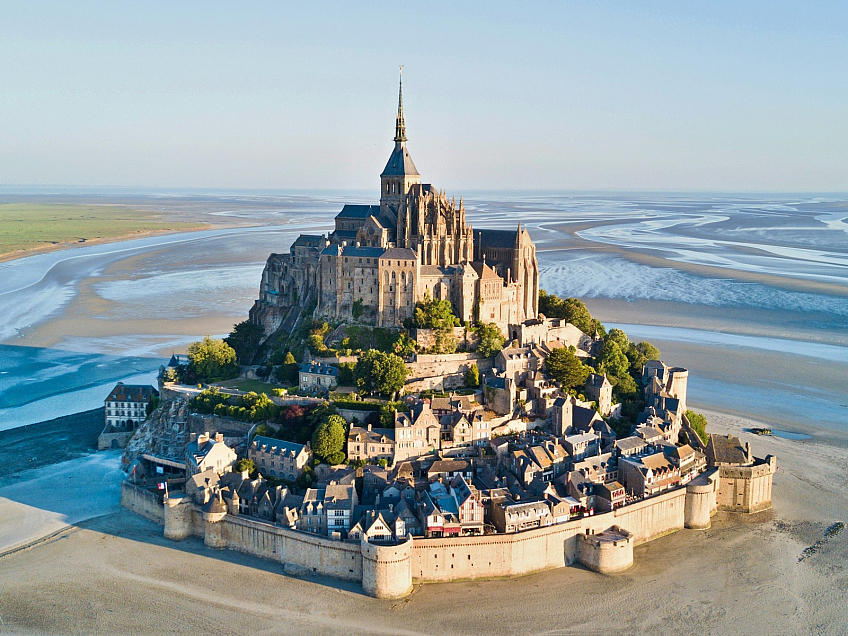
[[142, 502]]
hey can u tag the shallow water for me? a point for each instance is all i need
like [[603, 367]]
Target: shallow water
[[138, 300]]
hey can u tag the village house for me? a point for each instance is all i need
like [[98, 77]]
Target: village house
[[126, 405], [371, 444], [208, 453], [509, 515], [416, 433], [648, 475], [278, 458], [317, 376]]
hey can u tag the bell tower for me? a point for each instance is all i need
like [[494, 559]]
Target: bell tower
[[400, 173]]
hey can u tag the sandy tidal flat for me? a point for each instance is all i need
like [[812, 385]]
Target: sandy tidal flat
[[744, 575]]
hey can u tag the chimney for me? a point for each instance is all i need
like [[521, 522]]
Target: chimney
[[369, 427], [192, 437], [219, 437], [202, 438]]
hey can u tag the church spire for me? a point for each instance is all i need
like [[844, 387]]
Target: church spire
[[400, 126]]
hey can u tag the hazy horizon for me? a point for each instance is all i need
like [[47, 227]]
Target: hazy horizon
[[647, 96]]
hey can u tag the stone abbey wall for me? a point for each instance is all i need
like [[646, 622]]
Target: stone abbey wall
[[443, 371]]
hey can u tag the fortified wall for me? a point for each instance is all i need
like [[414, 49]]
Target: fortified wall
[[603, 543], [443, 372]]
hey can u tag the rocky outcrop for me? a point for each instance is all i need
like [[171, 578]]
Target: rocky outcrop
[[163, 434]]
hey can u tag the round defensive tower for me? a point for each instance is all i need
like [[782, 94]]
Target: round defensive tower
[[700, 502], [607, 552], [178, 517], [679, 380], [213, 513], [387, 569]]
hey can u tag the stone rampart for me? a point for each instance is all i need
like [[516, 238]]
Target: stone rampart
[[142, 502], [746, 488], [607, 552], [387, 571], [443, 371]]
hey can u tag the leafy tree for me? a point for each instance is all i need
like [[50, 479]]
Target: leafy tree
[[404, 345], [445, 342], [245, 340], [472, 376], [357, 310], [567, 368], [212, 359], [491, 339], [316, 343], [648, 350], [698, 422], [572, 309], [612, 360], [435, 314], [329, 439], [245, 464], [208, 399], [378, 372], [170, 375], [289, 369], [346, 377]]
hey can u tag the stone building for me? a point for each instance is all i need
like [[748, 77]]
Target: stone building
[[745, 481], [205, 452], [126, 405], [278, 458], [370, 444], [381, 259]]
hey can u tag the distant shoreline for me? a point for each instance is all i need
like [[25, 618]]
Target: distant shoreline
[[57, 247]]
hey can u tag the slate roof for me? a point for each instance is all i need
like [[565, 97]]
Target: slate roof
[[496, 238], [350, 250], [132, 393], [308, 240], [400, 163], [276, 446], [319, 369], [400, 253], [351, 211], [727, 449]]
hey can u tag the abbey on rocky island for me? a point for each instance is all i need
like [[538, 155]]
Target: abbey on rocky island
[[382, 259]]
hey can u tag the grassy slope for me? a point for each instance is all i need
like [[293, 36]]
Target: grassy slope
[[31, 225]]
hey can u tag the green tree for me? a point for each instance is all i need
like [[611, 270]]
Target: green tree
[[245, 464], [567, 368], [289, 369], [329, 439], [572, 309], [612, 360], [212, 359], [245, 340], [698, 422], [378, 372], [435, 314], [472, 376], [358, 309], [491, 339]]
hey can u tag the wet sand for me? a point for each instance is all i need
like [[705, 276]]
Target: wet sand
[[117, 575]]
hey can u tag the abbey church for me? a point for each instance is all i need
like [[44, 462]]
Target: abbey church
[[382, 259]]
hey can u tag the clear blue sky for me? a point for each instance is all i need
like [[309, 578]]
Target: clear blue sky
[[513, 95]]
